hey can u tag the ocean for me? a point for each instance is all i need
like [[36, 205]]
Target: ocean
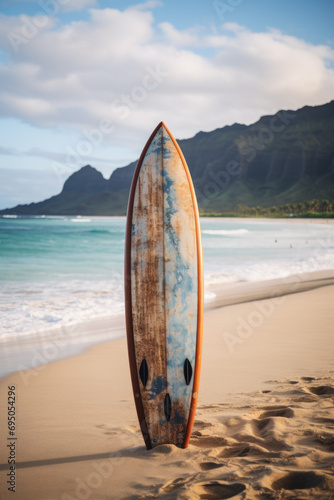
[[58, 271]]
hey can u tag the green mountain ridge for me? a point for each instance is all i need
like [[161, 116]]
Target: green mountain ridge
[[283, 158]]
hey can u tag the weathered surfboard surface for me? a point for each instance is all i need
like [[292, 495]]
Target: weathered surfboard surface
[[164, 292]]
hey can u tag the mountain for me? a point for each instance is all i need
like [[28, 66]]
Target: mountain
[[283, 158]]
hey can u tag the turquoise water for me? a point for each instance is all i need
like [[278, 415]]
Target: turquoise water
[[61, 270], [50, 248]]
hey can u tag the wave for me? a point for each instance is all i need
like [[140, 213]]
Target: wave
[[61, 289], [106, 231], [81, 220], [225, 232], [57, 303], [99, 231], [267, 270], [58, 217], [9, 216], [44, 305]]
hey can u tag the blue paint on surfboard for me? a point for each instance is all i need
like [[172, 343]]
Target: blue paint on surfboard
[[158, 385], [164, 287], [180, 281]]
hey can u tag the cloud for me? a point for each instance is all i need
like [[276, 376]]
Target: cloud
[[62, 5], [150, 4], [120, 69], [9, 151], [57, 156], [61, 157], [180, 38]]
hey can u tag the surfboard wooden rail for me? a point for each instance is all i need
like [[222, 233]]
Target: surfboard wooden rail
[[164, 292]]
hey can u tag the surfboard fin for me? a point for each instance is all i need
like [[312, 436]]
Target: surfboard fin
[[188, 371], [143, 372], [168, 407]]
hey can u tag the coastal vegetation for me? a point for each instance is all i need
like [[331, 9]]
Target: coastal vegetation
[[308, 209]]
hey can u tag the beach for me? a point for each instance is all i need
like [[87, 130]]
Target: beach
[[166, 250], [264, 426]]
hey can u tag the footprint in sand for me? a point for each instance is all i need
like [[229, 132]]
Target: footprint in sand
[[329, 422], [322, 390], [306, 399], [245, 449], [237, 450], [210, 465], [277, 411], [208, 441], [216, 490], [261, 425], [326, 440], [175, 484], [298, 481], [263, 438]]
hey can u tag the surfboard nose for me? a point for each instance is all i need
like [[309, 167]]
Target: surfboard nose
[[163, 129]]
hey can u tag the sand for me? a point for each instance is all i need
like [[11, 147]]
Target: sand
[[264, 426]]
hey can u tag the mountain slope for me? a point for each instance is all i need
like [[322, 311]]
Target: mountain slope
[[284, 158]]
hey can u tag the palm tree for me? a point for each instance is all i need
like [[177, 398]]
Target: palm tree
[[301, 207], [241, 209], [308, 205], [314, 205], [324, 204], [291, 208], [252, 211]]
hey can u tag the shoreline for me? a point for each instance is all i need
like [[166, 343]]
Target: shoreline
[[301, 219], [51, 345], [246, 291], [39, 348]]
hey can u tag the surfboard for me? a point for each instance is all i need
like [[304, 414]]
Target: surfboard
[[164, 292]]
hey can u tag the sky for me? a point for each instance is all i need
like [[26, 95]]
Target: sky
[[86, 81]]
